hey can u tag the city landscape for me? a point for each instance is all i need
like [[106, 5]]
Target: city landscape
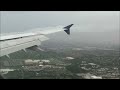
[[60, 45], [63, 62]]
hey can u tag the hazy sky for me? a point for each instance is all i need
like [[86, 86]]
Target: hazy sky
[[85, 21]]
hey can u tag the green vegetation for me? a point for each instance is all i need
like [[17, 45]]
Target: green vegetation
[[102, 58]]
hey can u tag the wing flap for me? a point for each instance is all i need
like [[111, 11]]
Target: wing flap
[[12, 46]]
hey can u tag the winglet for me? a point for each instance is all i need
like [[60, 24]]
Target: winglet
[[67, 29]]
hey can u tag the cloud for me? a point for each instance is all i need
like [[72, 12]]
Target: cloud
[[17, 21]]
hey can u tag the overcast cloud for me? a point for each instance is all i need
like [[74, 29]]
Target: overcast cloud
[[85, 21]]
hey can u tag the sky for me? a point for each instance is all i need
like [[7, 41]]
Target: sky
[[84, 21]]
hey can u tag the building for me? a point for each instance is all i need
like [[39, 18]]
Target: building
[[31, 62], [90, 76], [69, 58], [5, 71], [47, 61]]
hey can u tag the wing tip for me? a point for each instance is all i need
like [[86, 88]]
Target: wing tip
[[67, 29]]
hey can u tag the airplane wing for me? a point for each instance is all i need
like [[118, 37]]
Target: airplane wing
[[30, 40]]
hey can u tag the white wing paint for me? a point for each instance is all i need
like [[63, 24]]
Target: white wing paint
[[12, 43]]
